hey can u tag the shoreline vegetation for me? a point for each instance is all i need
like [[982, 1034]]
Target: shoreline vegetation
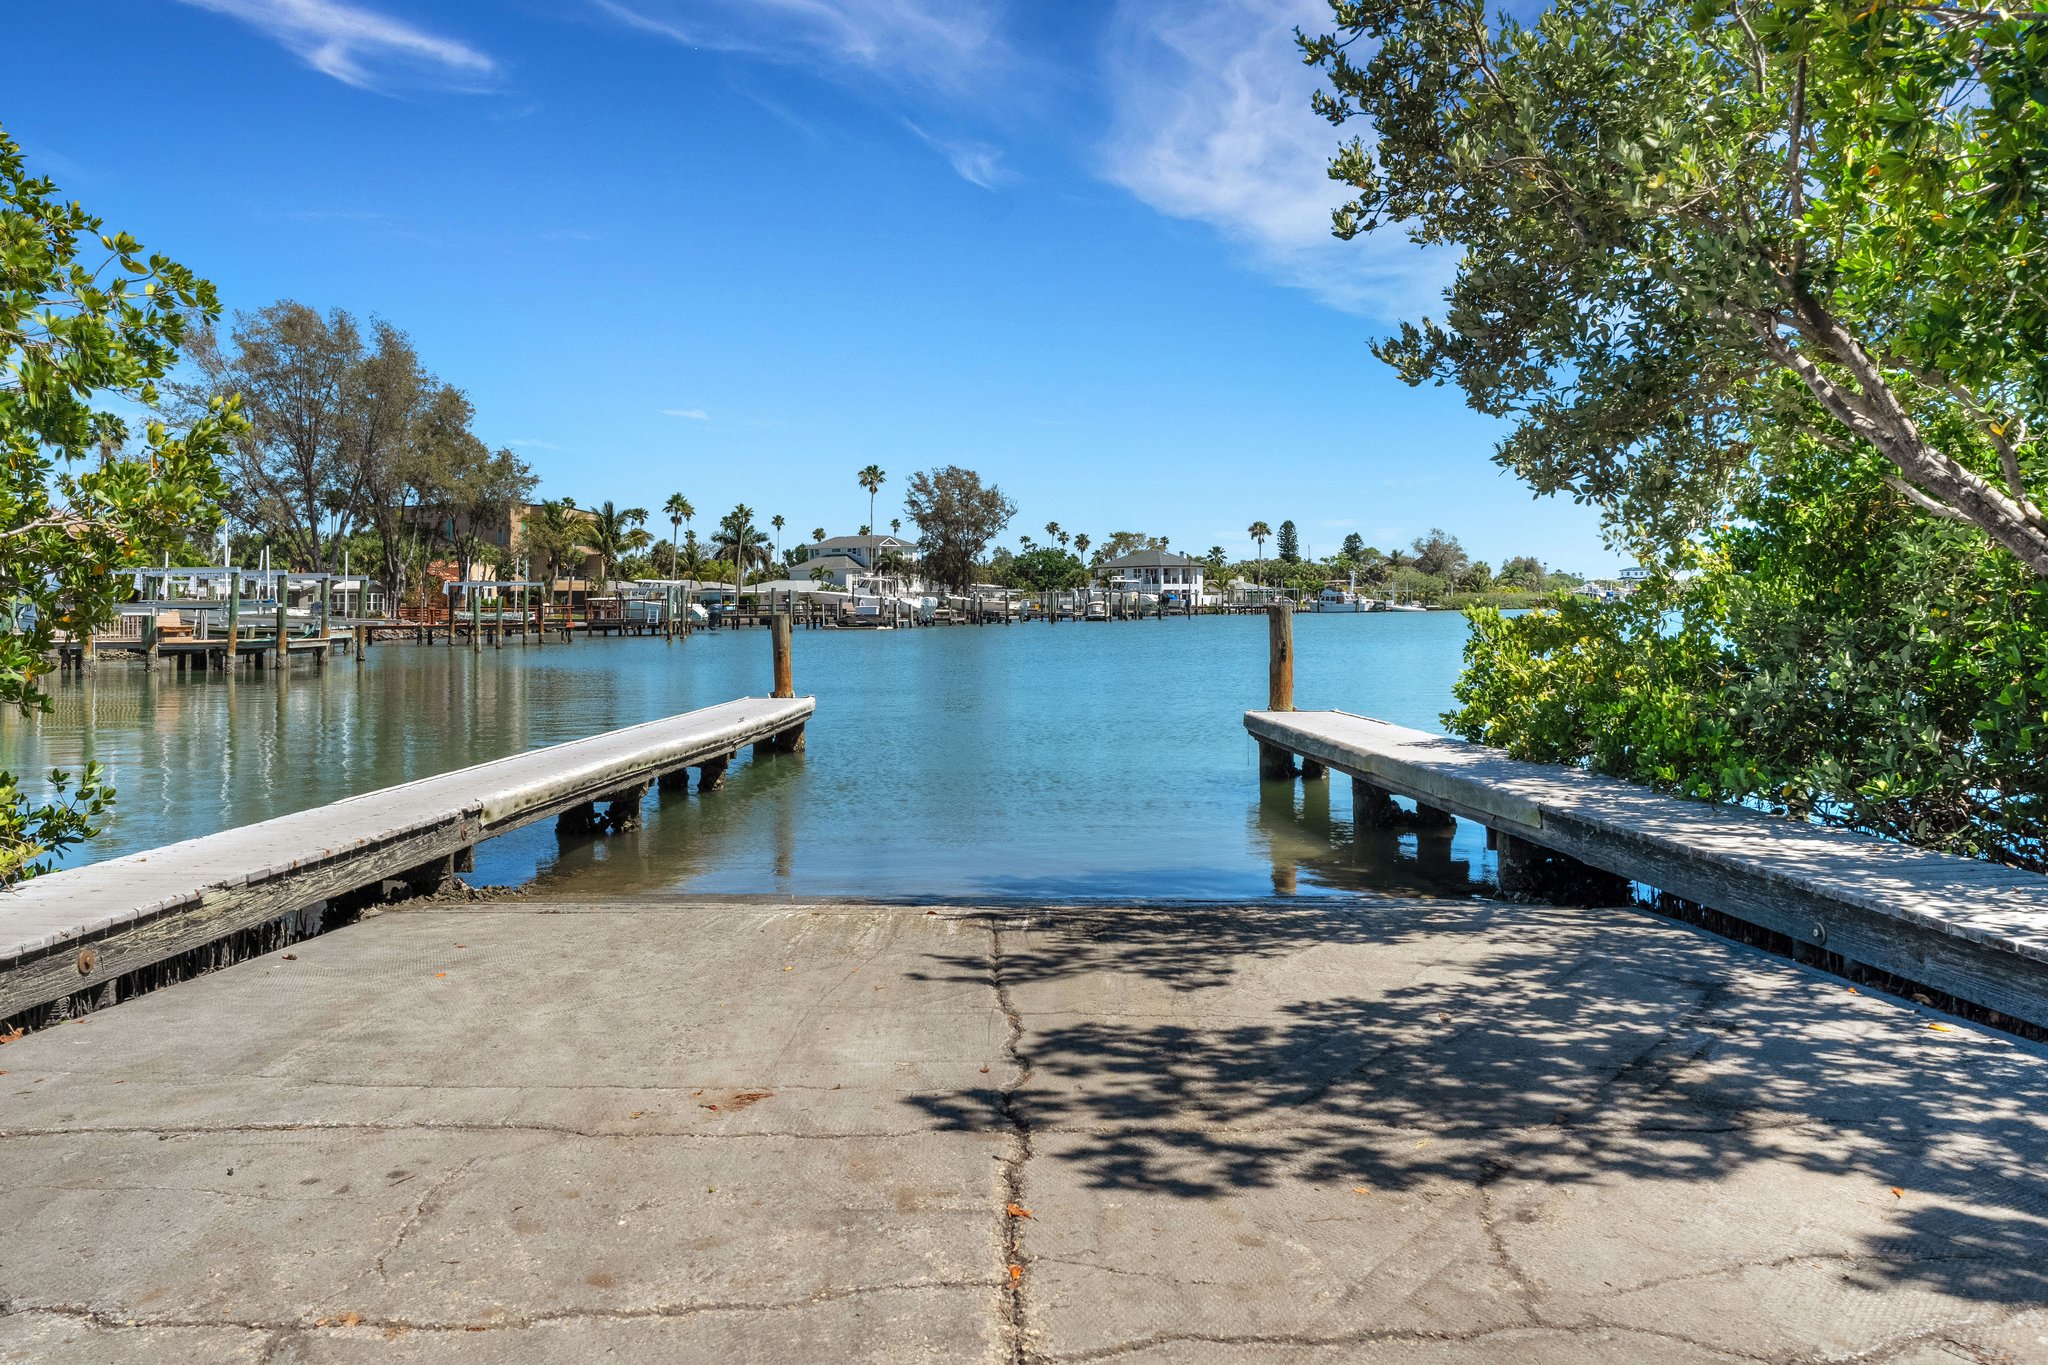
[[1780, 320]]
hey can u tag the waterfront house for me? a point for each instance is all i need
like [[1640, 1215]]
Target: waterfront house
[[864, 551], [1174, 577], [848, 563]]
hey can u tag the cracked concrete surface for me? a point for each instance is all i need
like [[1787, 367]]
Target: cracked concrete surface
[[1378, 1129]]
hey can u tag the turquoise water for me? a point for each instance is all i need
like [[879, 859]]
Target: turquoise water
[[1076, 760]]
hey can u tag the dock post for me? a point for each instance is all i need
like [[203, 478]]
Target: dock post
[[1528, 870], [362, 644], [1372, 807], [326, 612], [779, 635], [284, 640], [149, 635], [234, 618], [498, 637], [476, 619], [1276, 764], [711, 774]]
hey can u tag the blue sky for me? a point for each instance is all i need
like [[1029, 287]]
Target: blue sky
[[740, 248]]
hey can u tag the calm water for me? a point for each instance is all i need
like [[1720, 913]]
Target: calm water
[[1076, 760]]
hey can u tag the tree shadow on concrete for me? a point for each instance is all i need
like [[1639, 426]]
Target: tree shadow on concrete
[[1206, 1052]]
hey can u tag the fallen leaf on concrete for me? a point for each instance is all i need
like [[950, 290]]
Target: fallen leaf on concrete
[[438, 975], [984, 1071], [1898, 1193], [1361, 1189], [931, 912], [291, 957], [350, 1320], [10, 1037], [1940, 1028], [712, 1107], [1016, 1272], [747, 1097], [789, 969], [1425, 1142], [636, 1113], [462, 945], [1016, 1210], [1854, 991]]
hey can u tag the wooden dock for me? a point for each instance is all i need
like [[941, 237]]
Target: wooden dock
[[1974, 930], [80, 932]]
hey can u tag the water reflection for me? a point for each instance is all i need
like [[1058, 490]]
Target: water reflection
[[1071, 761], [1310, 840]]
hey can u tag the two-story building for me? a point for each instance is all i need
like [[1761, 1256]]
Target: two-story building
[[849, 563], [1174, 577]]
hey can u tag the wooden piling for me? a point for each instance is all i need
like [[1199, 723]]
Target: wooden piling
[[779, 633], [1276, 764], [498, 637], [476, 619], [326, 612], [284, 639]]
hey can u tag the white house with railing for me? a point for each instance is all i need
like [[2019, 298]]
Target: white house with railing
[[1174, 577]]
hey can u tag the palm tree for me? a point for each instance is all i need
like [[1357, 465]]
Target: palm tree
[[742, 541], [871, 479], [1259, 531], [679, 511], [1052, 530], [1081, 544], [778, 523], [615, 534], [551, 537], [817, 535]]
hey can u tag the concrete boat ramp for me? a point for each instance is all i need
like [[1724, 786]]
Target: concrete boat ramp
[[1370, 1129]]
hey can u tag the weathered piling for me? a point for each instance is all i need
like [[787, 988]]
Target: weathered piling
[[1276, 764], [779, 633]]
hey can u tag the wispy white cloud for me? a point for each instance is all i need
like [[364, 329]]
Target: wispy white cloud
[[1211, 122], [361, 47], [694, 414], [925, 53], [531, 443], [939, 43], [978, 163]]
